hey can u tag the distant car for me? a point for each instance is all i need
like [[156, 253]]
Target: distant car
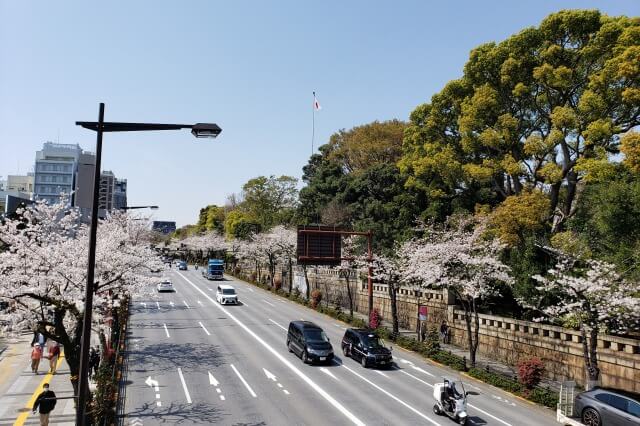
[[165, 285], [309, 342], [226, 294], [602, 407], [364, 346], [182, 265]]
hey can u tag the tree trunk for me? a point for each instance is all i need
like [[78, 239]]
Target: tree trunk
[[467, 320], [394, 308], [349, 294], [476, 331], [590, 355], [290, 273], [306, 281]]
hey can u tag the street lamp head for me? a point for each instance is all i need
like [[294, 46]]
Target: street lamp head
[[153, 207], [205, 130]]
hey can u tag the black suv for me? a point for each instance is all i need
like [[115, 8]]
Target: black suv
[[365, 347], [309, 342]]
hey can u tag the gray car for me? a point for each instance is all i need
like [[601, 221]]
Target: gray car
[[601, 407]]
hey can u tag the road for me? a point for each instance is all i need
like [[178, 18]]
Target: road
[[193, 361]]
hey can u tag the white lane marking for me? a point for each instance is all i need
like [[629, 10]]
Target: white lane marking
[[268, 303], [186, 304], [279, 385], [327, 372], [158, 395], [153, 383], [285, 391], [420, 380], [159, 404], [222, 397], [184, 386], [251, 290], [392, 396], [144, 305], [381, 373], [200, 303], [158, 305], [490, 415], [285, 361], [253, 394], [218, 390], [166, 330], [422, 371], [404, 361], [172, 304], [277, 324], [244, 303], [203, 327]]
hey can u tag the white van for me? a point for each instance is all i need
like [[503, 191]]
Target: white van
[[226, 294]]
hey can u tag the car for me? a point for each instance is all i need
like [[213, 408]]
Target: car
[[182, 265], [226, 294], [165, 285], [308, 341], [602, 407], [365, 347]]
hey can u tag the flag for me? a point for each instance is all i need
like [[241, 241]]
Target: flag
[[316, 104]]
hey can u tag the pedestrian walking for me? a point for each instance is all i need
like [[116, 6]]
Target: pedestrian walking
[[444, 331], [46, 402], [54, 353], [94, 362], [36, 355]]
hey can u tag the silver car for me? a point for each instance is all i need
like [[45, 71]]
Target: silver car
[[601, 407], [165, 286]]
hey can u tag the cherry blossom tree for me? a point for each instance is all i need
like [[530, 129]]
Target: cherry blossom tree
[[44, 269], [205, 243], [595, 296], [287, 240], [348, 266], [458, 257]]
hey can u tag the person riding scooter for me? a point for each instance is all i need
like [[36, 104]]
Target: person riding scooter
[[450, 395]]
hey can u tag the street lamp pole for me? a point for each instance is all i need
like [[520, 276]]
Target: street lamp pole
[[199, 130], [85, 342]]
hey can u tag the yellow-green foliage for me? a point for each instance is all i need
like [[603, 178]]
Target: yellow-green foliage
[[519, 216], [630, 146]]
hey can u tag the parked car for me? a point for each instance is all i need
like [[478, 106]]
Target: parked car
[[309, 342], [165, 285], [226, 294], [602, 407], [365, 347]]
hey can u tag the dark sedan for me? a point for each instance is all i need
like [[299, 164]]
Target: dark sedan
[[602, 407]]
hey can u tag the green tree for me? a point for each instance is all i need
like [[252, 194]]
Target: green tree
[[270, 200], [239, 224], [539, 109]]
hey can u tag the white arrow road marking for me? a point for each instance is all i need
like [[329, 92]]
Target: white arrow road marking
[[200, 303], [392, 396], [135, 422], [158, 305], [166, 330], [214, 382], [268, 303], [313, 385], [154, 384], [272, 377], [253, 394], [277, 324], [421, 370], [269, 374], [186, 304], [327, 372], [184, 386], [205, 330]]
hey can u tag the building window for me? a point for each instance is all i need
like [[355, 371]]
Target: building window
[[54, 178]]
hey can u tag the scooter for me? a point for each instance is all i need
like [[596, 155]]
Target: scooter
[[450, 401]]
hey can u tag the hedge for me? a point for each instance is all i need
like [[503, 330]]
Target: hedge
[[428, 349]]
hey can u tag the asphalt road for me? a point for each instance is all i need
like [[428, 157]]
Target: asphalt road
[[229, 365]]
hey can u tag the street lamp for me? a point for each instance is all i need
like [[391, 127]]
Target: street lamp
[[199, 130], [138, 207]]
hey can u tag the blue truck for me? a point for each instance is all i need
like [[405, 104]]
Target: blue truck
[[215, 270]]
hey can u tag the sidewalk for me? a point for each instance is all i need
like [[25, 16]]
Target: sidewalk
[[19, 387]]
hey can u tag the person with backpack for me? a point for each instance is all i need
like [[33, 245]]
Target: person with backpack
[[36, 355], [46, 402]]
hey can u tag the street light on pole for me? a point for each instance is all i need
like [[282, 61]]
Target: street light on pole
[[199, 130], [139, 207]]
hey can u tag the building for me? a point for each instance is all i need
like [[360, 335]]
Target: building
[[107, 189], [163, 227], [120, 194], [20, 183], [55, 171]]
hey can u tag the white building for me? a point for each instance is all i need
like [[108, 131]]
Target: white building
[[55, 170]]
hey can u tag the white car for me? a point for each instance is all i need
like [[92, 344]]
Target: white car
[[226, 294], [165, 285]]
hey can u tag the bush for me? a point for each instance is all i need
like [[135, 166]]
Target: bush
[[316, 298], [449, 359], [544, 397], [496, 380], [374, 319], [530, 372]]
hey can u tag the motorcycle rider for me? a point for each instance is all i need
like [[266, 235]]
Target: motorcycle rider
[[450, 395]]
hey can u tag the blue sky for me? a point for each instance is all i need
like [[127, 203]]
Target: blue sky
[[249, 66]]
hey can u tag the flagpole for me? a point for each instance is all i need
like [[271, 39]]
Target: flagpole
[[313, 121]]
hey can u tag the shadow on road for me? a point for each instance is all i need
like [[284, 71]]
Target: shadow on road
[[176, 414], [165, 355]]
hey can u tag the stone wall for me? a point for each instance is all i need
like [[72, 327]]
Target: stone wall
[[504, 339]]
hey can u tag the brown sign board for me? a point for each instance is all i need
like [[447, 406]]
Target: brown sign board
[[319, 245]]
